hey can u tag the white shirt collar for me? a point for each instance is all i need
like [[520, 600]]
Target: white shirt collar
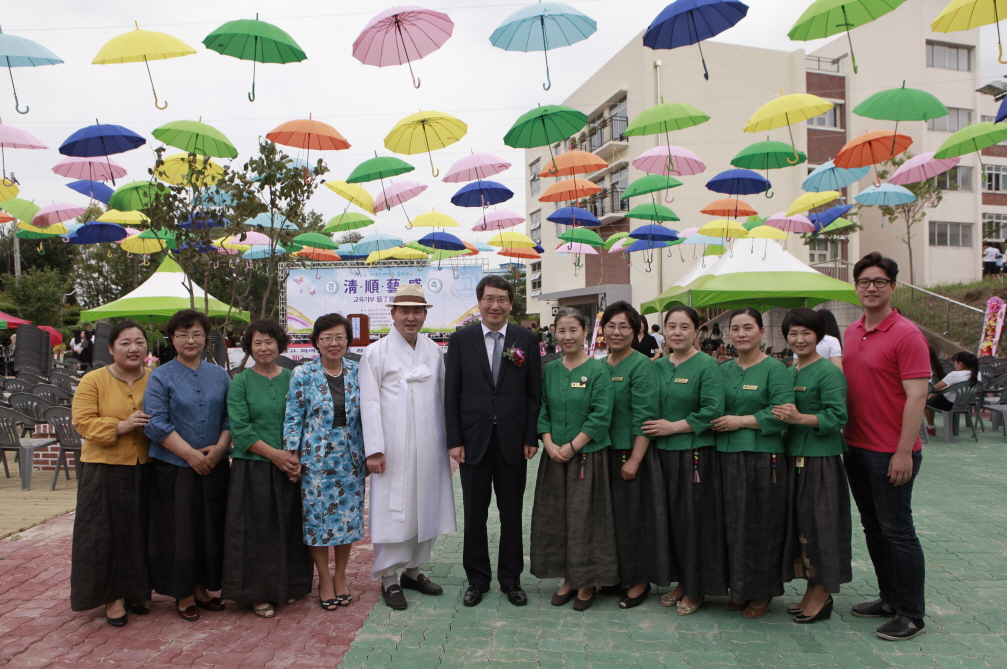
[[487, 331]]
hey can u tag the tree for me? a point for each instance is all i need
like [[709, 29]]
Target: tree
[[351, 237], [928, 196], [39, 294], [516, 275]]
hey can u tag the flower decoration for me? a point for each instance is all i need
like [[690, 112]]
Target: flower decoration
[[515, 355]]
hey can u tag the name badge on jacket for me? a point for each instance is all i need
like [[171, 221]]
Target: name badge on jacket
[[617, 378], [749, 387], [681, 380], [582, 384], [800, 389]]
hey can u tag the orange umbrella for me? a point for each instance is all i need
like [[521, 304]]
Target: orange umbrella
[[569, 189], [872, 148], [6, 218], [471, 250], [308, 134], [318, 254], [529, 254], [729, 206], [573, 162]]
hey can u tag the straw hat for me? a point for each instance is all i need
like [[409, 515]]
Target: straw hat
[[409, 295]]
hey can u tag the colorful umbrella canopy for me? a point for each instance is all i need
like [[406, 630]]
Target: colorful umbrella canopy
[[838, 224], [524, 253], [576, 248], [723, 228], [56, 213], [349, 252], [8, 190], [378, 167], [872, 148], [475, 166], [135, 195], [901, 104], [573, 216], [543, 126], [101, 139], [571, 163], [651, 183], [257, 41], [26, 231], [920, 168], [434, 219], [825, 218], [15, 138], [91, 169], [347, 222], [316, 241], [270, 222], [666, 117], [885, 195], [203, 220], [308, 134], [968, 14], [262, 252], [135, 244], [785, 111], [669, 160], [189, 169], [379, 241], [21, 52], [481, 194], [142, 46], [511, 239], [22, 210], [569, 189], [353, 193], [425, 131], [790, 223], [686, 22], [196, 137], [739, 182], [654, 233], [498, 220], [809, 201], [10, 322], [97, 233], [652, 212], [397, 193], [541, 27], [767, 232], [728, 206], [124, 217], [825, 18], [829, 177], [975, 137], [582, 236], [95, 190], [395, 253], [401, 35], [442, 241], [767, 155]]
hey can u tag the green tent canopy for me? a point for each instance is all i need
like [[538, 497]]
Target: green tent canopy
[[756, 273], [159, 297]]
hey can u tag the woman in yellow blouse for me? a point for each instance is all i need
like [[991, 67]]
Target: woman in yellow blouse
[[109, 558]]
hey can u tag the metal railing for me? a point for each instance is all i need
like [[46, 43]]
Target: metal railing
[[837, 269], [821, 64], [610, 204], [613, 131]]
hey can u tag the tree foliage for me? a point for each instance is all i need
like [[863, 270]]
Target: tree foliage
[[39, 294], [928, 196]]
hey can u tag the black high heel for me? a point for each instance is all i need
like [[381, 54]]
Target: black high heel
[[823, 614], [629, 602], [121, 620], [795, 610]]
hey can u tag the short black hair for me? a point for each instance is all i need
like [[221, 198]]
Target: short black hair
[[875, 259], [121, 327], [805, 318], [746, 311], [327, 322], [655, 328], [622, 307], [570, 312], [266, 326], [494, 281], [688, 311], [185, 319]]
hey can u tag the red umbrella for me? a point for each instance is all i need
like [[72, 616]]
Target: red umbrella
[[55, 338]]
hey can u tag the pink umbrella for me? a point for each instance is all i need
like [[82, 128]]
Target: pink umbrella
[[474, 167], [576, 247], [683, 162], [56, 213], [797, 223], [397, 193], [92, 169], [251, 238], [498, 220], [129, 233], [687, 232], [921, 168], [401, 35], [15, 138], [621, 245]]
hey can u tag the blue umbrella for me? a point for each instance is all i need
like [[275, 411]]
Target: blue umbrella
[[95, 190], [202, 221], [483, 247], [442, 241], [885, 195], [573, 216], [645, 245], [654, 233], [101, 139], [349, 252], [828, 216], [538, 247], [739, 182], [686, 22], [97, 233], [274, 222], [829, 177], [1001, 112], [481, 194], [201, 247], [260, 251], [212, 196], [543, 26], [379, 241], [703, 239], [20, 52]]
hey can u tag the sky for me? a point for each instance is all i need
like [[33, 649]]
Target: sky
[[484, 86]]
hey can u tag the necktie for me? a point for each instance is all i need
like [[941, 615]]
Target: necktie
[[497, 354]]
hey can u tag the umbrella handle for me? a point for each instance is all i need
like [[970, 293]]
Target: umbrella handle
[[251, 96], [1001, 56], [797, 158], [769, 194], [853, 59], [156, 102], [666, 198], [17, 106], [146, 260]]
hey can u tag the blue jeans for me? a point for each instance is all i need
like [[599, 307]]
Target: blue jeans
[[887, 516]]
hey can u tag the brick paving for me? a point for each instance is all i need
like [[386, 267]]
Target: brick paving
[[960, 514]]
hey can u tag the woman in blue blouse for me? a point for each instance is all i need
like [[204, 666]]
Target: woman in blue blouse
[[323, 423], [189, 437]]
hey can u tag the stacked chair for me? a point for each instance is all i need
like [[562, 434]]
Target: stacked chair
[[33, 351], [101, 356]]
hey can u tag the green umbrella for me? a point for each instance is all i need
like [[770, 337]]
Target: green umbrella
[[315, 240], [754, 221], [901, 104], [34, 234], [257, 41], [652, 212], [664, 118], [442, 254], [610, 242], [22, 210], [838, 224], [135, 195], [196, 137], [767, 155], [346, 222], [975, 137], [378, 167], [543, 126], [825, 18], [582, 236], [165, 235], [650, 184], [415, 245]]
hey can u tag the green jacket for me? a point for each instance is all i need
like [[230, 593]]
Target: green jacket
[[577, 401], [634, 382], [693, 392], [820, 389], [754, 392], [255, 406]]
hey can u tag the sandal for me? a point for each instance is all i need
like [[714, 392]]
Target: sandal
[[213, 604], [189, 614], [267, 611], [684, 609], [669, 599], [628, 602], [328, 604], [753, 612], [342, 601]]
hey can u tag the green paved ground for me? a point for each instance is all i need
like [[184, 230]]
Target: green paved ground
[[961, 514]]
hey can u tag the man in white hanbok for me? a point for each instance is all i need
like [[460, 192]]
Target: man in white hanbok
[[402, 409]]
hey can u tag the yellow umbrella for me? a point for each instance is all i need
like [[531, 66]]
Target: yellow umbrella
[[723, 228], [512, 240], [425, 131], [227, 242], [137, 244], [353, 193], [8, 190], [142, 46], [434, 219], [766, 232], [124, 217], [785, 111], [809, 201], [54, 230], [968, 14], [396, 252], [185, 169]]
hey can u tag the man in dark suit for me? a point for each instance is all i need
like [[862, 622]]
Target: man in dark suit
[[491, 399]]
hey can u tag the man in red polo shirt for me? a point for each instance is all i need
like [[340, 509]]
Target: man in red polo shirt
[[887, 365]]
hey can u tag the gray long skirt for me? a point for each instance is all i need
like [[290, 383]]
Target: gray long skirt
[[265, 559], [759, 522], [822, 552], [109, 554], [696, 513], [572, 529], [641, 528]]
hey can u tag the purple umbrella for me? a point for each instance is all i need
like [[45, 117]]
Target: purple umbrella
[[475, 167]]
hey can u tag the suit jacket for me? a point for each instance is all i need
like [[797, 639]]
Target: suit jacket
[[472, 401]]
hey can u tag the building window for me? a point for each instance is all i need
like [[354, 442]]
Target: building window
[[823, 250], [535, 276], [953, 122], [829, 119], [950, 234], [535, 226], [957, 178], [949, 57], [536, 182], [994, 226], [996, 178]]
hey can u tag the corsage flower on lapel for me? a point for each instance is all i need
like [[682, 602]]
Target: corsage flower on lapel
[[515, 355]]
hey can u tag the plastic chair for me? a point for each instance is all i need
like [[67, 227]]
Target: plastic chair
[[52, 393], [27, 422], [17, 386], [30, 404], [10, 440], [61, 418], [33, 379], [965, 398], [64, 383]]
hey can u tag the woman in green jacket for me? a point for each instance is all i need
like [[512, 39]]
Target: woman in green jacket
[[691, 396], [636, 480], [572, 528], [755, 479], [815, 461]]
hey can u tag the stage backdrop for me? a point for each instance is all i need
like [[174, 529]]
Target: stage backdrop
[[369, 290]]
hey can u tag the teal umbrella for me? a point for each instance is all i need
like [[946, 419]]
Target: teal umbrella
[[20, 52]]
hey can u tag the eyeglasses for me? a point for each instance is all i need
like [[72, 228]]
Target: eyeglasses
[[185, 336], [622, 327], [878, 283], [489, 301], [327, 339]]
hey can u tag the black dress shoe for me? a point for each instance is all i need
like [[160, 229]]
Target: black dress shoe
[[394, 598], [117, 622], [139, 610], [474, 594], [515, 594], [876, 609], [421, 583], [213, 604], [824, 613], [901, 628]]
